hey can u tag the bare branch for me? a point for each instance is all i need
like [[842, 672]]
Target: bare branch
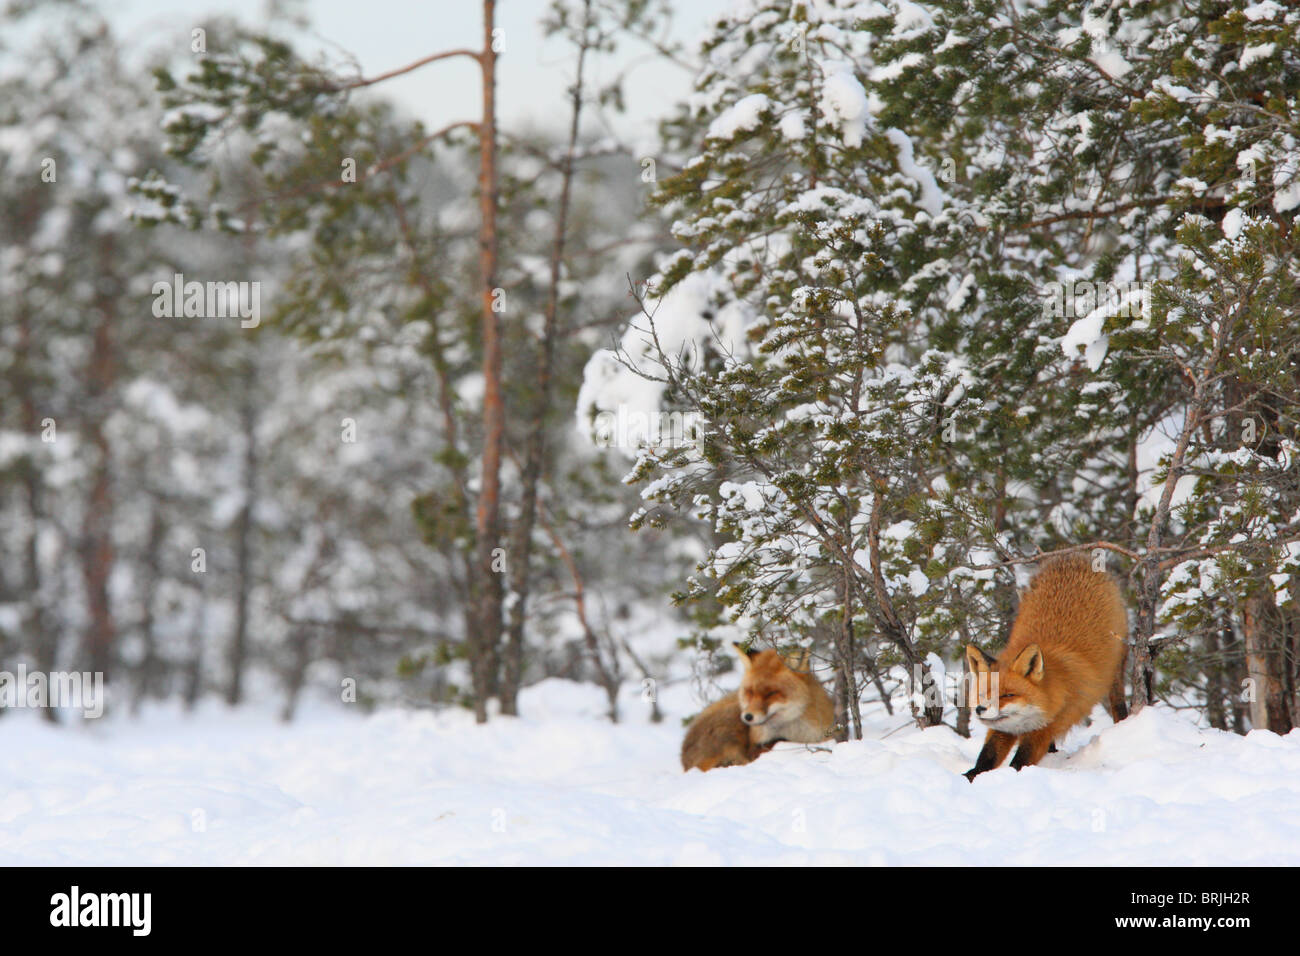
[[371, 81]]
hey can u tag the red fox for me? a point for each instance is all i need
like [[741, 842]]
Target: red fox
[[1065, 655], [775, 702]]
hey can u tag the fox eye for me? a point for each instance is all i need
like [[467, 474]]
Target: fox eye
[[1006, 696]]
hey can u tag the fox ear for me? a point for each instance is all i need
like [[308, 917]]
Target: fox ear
[[746, 657], [977, 660], [1029, 663]]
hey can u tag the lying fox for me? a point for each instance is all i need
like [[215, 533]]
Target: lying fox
[[774, 703], [1064, 656]]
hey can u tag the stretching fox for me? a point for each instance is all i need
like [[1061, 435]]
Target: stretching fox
[[774, 703], [1064, 656]]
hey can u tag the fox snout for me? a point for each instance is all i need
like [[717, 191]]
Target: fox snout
[[1018, 717], [990, 712]]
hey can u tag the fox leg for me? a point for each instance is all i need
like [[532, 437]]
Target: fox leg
[[1115, 702], [1033, 747], [996, 747]]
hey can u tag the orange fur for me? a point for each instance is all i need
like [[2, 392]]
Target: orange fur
[[1064, 656], [780, 704]]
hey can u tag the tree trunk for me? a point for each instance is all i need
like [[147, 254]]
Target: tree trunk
[[148, 676], [1236, 665], [485, 628], [97, 523], [42, 637], [297, 672], [1143, 666], [535, 453], [1215, 690], [1142, 670], [845, 651], [1289, 662], [1266, 627], [194, 669], [840, 697], [243, 552], [963, 705], [891, 626], [1260, 627], [656, 715], [873, 672], [932, 711], [608, 675]]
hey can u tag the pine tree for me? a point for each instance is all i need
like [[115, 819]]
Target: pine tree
[[895, 350]]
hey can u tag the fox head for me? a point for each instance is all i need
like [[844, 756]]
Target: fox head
[[769, 689], [1004, 696]]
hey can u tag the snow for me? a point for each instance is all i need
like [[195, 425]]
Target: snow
[[1105, 56], [897, 68], [1180, 93], [1286, 177], [1233, 220], [1112, 64], [561, 785], [1153, 451], [958, 298], [1087, 333], [950, 41], [844, 102], [910, 19], [199, 112], [1253, 53], [1268, 10], [745, 115], [750, 494], [792, 126], [932, 196], [685, 322]]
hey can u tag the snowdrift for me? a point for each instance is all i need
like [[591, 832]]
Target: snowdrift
[[563, 786]]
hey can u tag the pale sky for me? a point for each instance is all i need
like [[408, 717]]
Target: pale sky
[[385, 34]]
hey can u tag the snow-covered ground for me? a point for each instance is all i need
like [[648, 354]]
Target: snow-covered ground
[[560, 785]]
